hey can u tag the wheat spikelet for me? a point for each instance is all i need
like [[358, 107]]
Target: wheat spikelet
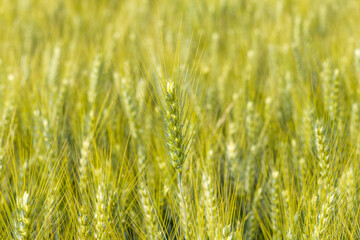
[[348, 195], [322, 151], [210, 205], [252, 223], [232, 163], [326, 193], [250, 170], [275, 205], [325, 215], [54, 66], [129, 103], [83, 166], [174, 128], [153, 231], [100, 214], [293, 228], [22, 222], [59, 103], [83, 225], [227, 233], [176, 143]]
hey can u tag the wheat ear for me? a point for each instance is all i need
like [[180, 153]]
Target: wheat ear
[[22, 218]]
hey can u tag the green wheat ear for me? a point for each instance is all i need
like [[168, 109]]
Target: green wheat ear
[[174, 128], [177, 141]]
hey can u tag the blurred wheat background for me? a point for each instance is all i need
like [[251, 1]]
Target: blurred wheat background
[[155, 119]]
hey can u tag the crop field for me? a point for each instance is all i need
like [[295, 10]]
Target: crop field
[[181, 119]]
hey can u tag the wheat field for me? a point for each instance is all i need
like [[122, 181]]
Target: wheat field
[[182, 119]]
